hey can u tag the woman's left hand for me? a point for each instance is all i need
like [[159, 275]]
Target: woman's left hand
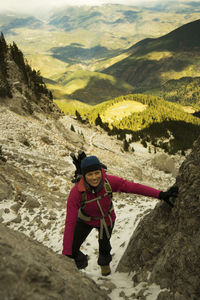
[[171, 192]]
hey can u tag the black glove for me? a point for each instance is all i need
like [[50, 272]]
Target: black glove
[[171, 192]]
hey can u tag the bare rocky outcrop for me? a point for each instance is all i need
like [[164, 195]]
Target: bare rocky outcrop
[[164, 248], [29, 270], [165, 163]]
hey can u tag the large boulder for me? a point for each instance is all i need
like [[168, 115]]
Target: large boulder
[[165, 247], [165, 163], [29, 270]]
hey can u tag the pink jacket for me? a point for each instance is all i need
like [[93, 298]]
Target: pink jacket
[[74, 202]]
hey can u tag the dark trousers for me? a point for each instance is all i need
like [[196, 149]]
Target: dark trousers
[[82, 230]]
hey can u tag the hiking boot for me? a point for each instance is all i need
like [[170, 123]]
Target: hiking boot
[[81, 260], [105, 270]]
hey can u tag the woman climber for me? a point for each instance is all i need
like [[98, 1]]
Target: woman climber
[[89, 206]]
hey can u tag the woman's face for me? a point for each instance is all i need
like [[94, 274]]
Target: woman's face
[[93, 178]]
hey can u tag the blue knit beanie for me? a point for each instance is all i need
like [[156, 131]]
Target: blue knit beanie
[[89, 164]]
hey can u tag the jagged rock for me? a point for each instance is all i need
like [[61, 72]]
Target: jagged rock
[[15, 207], [20, 197], [5, 188], [48, 226], [37, 219], [166, 242], [1, 212], [46, 140], [52, 215], [18, 219], [69, 135], [164, 162], [108, 286], [29, 270], [31, 203], [18, 177], [1, 215], [163, 295], [137, 173]]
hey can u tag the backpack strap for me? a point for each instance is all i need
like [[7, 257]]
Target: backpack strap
[[108, 188]]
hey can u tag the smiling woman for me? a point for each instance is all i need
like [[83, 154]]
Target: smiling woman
[[90, 206], [93, 178]]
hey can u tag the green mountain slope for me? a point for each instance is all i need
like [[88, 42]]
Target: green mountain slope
[[76, 53], [162, 123], [153, 109], [152, 62], [69, 106], [89, 87], [184, 91]]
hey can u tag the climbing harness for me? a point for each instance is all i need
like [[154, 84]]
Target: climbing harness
[[83, 216]]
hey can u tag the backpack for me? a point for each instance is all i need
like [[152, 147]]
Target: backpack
[[77, 162]]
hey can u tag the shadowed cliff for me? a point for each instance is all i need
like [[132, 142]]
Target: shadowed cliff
[[164, 248]]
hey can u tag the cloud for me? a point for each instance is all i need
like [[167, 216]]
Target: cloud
[[29, 6], [41, 6]]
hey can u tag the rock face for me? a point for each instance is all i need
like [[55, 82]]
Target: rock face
[[165, 247], [164, 163], [29, 270]]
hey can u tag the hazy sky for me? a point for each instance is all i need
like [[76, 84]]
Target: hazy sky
[[38, 5], [28, 5]]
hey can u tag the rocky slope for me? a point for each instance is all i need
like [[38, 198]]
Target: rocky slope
[[165, 246], [36, 171], [29, 270]]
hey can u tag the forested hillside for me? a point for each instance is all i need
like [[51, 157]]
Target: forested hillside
[[185, 90], [21, 87], [160, 123]]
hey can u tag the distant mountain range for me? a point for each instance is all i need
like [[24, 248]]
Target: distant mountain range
[[20, 22], [154, 62], [168, 66], [93, 54]]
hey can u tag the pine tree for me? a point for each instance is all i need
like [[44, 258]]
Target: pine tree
[[3, 44], [72, 128], [5, 89], [125, 145], [78, 116], [98, 121], [18, 57]]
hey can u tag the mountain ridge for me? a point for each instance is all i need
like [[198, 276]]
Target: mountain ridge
[[150, 66], [152, 62]]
